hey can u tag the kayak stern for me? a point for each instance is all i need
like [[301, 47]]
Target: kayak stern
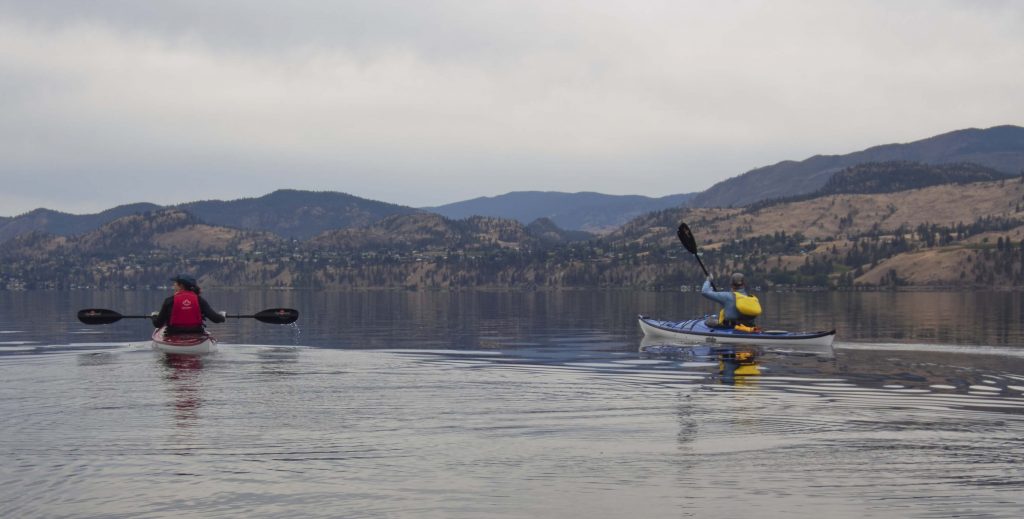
[[186, 344]]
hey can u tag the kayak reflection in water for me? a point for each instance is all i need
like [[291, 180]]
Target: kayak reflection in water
[[183, 372], [184, 312], [738, 362], [739, 309], [733, 361]]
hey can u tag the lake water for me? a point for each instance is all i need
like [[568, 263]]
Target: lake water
[[512, 404]]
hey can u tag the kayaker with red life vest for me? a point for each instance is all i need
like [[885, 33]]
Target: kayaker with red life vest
[[739, 309], [184, 311]]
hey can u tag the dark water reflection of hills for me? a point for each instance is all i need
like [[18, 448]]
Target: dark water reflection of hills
[[465, 318], [935, 341]]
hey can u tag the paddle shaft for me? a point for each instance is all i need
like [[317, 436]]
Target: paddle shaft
[[702, 267], [150, 316], [272, 316]]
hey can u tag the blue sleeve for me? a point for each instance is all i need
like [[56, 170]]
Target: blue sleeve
[[718, 297]]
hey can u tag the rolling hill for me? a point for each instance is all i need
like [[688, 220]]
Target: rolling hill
[[1000, 148], [962, 235], [887, 223], [65, 224], [295, 214], [288, 213], [585, 211]]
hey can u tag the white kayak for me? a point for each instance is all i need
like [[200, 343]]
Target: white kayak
[[695, 331], [186, 344]]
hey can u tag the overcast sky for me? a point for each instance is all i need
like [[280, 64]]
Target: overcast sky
[[428, 102]]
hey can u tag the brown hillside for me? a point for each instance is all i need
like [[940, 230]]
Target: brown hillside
[[953, 265], [208, 238], [828, 223], [940, 267], [830, 216]]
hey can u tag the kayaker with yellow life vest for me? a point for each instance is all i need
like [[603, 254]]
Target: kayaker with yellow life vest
[[739, 309], [184, 311]]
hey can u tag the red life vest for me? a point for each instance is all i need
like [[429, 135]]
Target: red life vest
[[185, 313]]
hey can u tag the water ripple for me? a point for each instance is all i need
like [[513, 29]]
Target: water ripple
[[264, 431]]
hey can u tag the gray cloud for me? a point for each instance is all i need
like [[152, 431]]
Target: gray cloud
[[422, 103]]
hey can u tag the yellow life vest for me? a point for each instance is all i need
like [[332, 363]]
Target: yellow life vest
[[748, 306]]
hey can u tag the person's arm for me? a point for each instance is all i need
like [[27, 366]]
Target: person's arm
[[165, 313], [718, 297], [209, 313]]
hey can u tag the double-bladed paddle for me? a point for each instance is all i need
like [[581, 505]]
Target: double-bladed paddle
[[686, 237], [270, 315]]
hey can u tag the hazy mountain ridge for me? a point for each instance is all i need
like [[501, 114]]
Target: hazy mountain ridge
[[966, 235], [1000, 148], [287, 213], [585, 211], [304, 214], [295, 214], [56, 222], [891, 177], [964, 232], [171, 230]]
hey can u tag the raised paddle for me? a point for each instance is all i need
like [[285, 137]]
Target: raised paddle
[[270, 315], [686, 237]]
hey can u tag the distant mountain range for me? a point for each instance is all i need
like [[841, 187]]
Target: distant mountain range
[[892, 177], [585, 211], [295, 214], [65, 224], [963, 235], [1000, 148], [287, 213], [965, 156], [305, 214]]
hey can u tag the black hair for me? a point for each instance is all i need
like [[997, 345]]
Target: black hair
[[189, 286]]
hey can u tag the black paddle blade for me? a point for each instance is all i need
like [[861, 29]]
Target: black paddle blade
[[686, 237], [98, 316], [278, 316]]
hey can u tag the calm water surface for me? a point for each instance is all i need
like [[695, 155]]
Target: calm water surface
[[509, 404]]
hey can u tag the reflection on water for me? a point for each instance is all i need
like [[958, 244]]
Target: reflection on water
[[512, 405], [183, 373], [566, 427], [735, 362], [468, 318]]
